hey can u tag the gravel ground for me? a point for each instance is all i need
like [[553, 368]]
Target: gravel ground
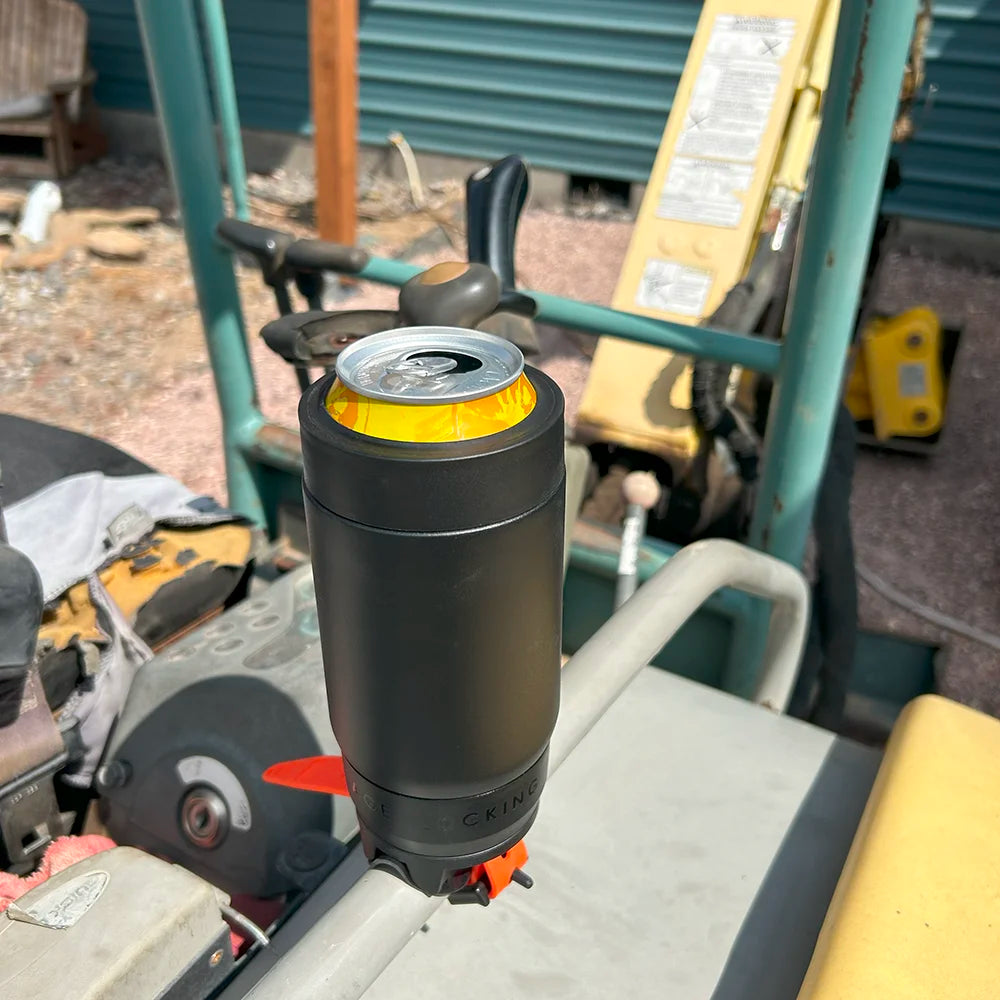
[[116, 350], [928, 525]]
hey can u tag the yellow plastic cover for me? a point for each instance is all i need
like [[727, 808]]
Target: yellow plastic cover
[[732, 133], [916, 912]]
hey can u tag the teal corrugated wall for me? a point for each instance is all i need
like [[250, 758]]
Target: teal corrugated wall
[[582, 86], [951, 169]]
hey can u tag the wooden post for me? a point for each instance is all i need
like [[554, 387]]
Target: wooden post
[[333, 70]]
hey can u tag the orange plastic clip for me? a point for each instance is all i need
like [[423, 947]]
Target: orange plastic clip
[[310, 774], [499, 872]]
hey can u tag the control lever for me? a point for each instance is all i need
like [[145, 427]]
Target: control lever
[[268, 248], [309, 259], [494, 198], [449, 294]]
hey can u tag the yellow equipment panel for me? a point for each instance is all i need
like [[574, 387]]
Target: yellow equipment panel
[[728, 139], [916, 912]]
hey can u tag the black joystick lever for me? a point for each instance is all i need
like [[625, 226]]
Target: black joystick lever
[[309, 260], [268, 248], [494, 198]]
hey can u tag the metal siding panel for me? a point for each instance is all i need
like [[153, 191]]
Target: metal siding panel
[[951, 168], [583, 86], [576, 85]]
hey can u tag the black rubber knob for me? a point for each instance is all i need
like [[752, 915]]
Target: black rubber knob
[[316, 256], [451, 294]]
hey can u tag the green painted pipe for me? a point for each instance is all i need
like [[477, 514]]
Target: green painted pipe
[[869, 55], [842, 203], [180, 89], [731, 348], [716, 345], [221, 62]]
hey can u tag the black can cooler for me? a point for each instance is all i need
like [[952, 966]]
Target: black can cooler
[[434, 486]]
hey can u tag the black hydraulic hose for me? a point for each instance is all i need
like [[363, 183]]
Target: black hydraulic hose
[[833, 638], [739, 313], [756, 304], [709, 381]]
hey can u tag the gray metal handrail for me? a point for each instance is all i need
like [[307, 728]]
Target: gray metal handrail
[[345, 951]]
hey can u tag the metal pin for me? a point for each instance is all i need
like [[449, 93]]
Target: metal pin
[[523, 879], [475, 893]]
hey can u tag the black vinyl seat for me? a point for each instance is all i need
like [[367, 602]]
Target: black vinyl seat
[[33, 455]]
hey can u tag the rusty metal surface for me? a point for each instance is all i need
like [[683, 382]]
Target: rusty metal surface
[[277, 445]]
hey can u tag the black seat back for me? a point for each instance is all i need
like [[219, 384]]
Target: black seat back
[[33, 454]]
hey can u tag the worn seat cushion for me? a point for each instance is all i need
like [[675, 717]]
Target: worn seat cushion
[[30, 106]]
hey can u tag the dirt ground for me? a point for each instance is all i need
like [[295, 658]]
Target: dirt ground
[[115, 349]]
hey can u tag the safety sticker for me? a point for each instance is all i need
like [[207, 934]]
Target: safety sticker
[[704, 191], [62, 906], [673, 287], [734, 92]]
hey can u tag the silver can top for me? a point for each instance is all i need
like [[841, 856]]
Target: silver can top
[[429, 365]]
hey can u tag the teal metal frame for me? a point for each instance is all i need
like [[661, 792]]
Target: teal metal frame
[[868, 62], [224, 87], [869, 55], [180, 90]]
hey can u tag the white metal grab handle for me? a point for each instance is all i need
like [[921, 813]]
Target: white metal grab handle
[[603, 668], [344, 952]]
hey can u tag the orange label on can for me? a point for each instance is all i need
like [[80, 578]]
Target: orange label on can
[[424, 423]]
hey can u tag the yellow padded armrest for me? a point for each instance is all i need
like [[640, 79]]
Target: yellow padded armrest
[[916, 912]]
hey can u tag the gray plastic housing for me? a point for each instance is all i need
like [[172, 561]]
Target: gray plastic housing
[[119, 925]]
